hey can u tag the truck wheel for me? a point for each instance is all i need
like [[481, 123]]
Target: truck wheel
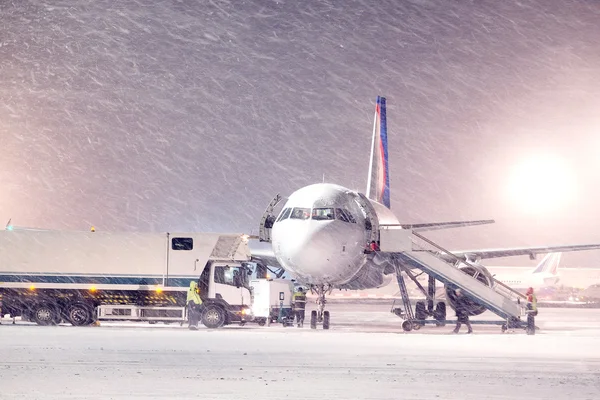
[[213, 317], [80, 314], [262, 322], [45, 314], [325, 319]]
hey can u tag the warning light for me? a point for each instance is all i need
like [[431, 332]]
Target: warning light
[[159, 290], [93, 289], [32, 287], [92, 229]]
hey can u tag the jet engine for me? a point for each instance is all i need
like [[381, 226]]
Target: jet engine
[[482, 275], [368, 278]]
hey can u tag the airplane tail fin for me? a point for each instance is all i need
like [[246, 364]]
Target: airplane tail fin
[[378, 184], [549, 264]]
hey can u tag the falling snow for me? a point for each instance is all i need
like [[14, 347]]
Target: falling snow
[[179, 115]]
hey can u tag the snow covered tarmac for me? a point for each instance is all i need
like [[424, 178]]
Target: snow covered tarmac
[[351, 361]]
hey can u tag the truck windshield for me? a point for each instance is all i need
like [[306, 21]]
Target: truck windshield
[[233, 276]]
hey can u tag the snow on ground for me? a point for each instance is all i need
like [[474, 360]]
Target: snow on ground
[[351, 361]]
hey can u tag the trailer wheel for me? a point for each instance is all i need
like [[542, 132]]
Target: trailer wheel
[[45, 314], [213, 317], [313, 319], [80, 314], [407, 326]]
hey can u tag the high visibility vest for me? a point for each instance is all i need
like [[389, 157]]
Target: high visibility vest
[[193, 293], [532, 299], [299, 301]]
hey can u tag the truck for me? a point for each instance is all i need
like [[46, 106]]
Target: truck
[[80, 277]]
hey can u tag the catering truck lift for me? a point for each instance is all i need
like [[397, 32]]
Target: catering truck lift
[[49, 276]]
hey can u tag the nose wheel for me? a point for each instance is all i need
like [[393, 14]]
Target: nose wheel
[[320, 316]]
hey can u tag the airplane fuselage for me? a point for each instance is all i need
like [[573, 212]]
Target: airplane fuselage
[[320, 236]]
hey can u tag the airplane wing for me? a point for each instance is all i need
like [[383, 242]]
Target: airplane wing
[[532, 252], [431, 226]]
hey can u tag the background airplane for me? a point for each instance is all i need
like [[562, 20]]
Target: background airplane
[[544, 275]]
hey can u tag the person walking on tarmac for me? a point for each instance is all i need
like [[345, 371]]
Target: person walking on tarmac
[[299, 300], [531, 310], [194, 304], [461, 312]]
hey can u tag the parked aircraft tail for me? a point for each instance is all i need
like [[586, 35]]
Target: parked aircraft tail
[[378, 183], [549, 264]]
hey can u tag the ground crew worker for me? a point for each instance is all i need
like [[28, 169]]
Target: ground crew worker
[[373, 246], [462, 315], [531, 310], [299, 302], [194, 304]]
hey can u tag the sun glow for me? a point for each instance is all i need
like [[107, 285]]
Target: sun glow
[[542, 184]]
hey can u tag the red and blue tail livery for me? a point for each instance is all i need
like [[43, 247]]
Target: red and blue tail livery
[[378, 185]]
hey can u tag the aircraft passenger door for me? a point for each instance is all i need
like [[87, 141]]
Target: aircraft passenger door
[[267, 220], [372, 220]]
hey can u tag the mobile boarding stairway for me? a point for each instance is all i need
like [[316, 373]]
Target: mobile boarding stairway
[[409, 251]]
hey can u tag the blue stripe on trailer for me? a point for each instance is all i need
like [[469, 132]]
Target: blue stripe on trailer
[[96, 280]]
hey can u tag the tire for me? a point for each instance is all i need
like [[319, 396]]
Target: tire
[[80, 314], [530, 331], [262, 322], [440, 313], [326, 320], [313, 319], [407, 326], [420, 311], [45, 314], [213, 317]]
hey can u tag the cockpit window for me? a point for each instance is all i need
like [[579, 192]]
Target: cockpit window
[[344, 215], [323, 213], [284, 214], [300, 213]]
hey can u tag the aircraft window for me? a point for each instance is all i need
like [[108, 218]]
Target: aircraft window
[[344, 215], [350, 217], [323, 213], [300, 213], [284, 214]]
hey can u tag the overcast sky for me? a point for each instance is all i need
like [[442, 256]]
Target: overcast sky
[[192, 115]]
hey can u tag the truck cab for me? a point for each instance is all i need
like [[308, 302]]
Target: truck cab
[[225, 293]]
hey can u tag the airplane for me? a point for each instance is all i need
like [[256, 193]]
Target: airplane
[[320, 234], [544, 275]]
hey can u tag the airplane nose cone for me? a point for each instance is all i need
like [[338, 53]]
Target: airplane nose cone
[[318, 255]]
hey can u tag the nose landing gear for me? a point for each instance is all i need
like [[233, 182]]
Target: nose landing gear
[[320, 316]]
